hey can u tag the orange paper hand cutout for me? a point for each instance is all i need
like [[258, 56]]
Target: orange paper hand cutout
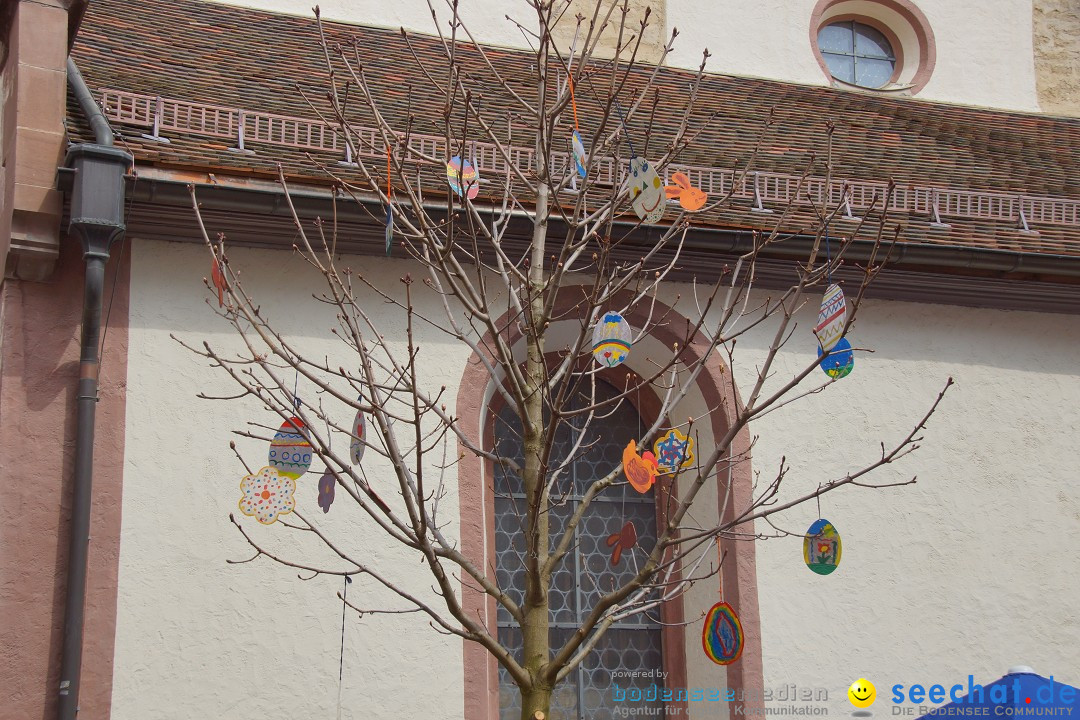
[[689, 196], [640, 471]]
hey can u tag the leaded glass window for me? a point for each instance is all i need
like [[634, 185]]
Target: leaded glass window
[[857, 54], [591, 691]]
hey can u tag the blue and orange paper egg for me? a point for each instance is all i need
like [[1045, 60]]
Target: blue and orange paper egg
[[611, 340]]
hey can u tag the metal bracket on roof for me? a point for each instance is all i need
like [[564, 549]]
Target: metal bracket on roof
[[758, 207], [240, 137], [1022, 223], [848, 215], [348, 161], [153, 135], [935, 214]]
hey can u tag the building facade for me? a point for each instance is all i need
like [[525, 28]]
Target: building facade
[[969, 107]]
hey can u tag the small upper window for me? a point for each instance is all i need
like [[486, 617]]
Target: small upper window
[[857, 54]]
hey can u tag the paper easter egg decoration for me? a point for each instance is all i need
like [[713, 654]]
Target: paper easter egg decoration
[[831, 317], [722, 635], [822, 547], [578, 149], [290, 452], [646, 191], [463, 178], [674, 450], [624, 540], [841, 360], [611, 340], [388, 233], [689, 196], [327, 487], [359, 441], [266, 495], [639, 470]]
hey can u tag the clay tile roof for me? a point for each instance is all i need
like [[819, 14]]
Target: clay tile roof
[[191, 52]]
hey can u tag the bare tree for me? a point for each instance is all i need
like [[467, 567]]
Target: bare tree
[[502, 289]]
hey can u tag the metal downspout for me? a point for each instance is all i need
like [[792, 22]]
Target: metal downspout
[[97, 218]]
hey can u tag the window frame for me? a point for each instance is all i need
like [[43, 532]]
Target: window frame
[[672, 615]]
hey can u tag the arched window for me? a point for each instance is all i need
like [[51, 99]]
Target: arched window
[[630, 646], [857, 54]]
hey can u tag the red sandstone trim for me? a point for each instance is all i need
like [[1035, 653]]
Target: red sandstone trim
[[906, 10], [40, 365]]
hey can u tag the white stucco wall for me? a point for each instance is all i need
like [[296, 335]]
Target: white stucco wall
[[197, 637], [966, 572], [985, 52]]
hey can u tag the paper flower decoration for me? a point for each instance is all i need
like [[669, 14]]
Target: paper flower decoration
[[822, 547], [646, 191], [358, 443], [267, 495], [327, 486], [640, 471], [689, 196], [611, 340], [463, 178], [217, 275], [290, 452], [674, 450], [625, 539], [841, 360], [831, 317], [722, 635]]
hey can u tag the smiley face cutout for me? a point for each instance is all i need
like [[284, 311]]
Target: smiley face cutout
[[646, 191]]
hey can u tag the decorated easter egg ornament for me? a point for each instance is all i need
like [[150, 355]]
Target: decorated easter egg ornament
[[290, 452], [359, 440], [611, 340], [646, 191], [831, 317], [722, 635], [822, 547], [462, 177], [840, 362], [622, 541]]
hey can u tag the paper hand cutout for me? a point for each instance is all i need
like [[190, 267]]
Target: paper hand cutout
[[640, 471], [689, 196], [625, 539], [217, 275]]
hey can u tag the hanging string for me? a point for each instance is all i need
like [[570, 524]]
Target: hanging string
[[341, 659], [622, 121], [719, 569], [828, 257], [296, 385], [573, 102], [818, 498]]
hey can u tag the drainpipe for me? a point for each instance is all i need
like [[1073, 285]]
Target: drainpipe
[[97, 218]]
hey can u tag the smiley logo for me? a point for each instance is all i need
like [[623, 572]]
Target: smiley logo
[[862, 693]]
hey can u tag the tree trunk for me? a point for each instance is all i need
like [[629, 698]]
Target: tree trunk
[[536, 700]]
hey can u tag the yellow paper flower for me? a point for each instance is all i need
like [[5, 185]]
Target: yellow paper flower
[[267, 495]]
